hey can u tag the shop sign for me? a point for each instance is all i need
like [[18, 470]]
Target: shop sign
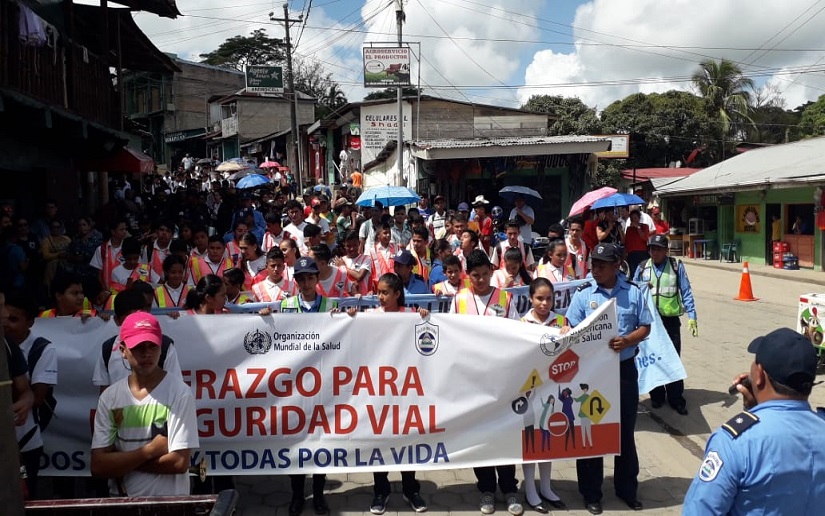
[[179, 136], [264, 79], [386, 67], [747, 218], [619, 148]]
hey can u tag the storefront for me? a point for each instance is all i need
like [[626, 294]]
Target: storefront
[[751, 192]]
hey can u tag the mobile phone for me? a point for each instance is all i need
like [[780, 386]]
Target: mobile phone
[[746, 383]]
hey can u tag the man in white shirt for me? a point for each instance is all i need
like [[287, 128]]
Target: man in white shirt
[[437, 221], [296, 225], [528, 217]]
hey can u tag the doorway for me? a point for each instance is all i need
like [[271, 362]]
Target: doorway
[[771, 210]]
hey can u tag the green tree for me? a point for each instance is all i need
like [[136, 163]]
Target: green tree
[[813, 118], [663, 127], [391, 93], [239, 51], [572, 116], [727, 92]]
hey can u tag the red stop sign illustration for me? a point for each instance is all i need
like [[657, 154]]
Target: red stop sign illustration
[[565, 368]]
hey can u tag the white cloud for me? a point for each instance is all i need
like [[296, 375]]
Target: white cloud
[[650, 39]]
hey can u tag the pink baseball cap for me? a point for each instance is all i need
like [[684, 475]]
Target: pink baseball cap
[[140, 327]]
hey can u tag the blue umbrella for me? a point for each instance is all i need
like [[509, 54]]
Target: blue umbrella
[[618, 199], [252, 180], [530, 196], [388, 196]]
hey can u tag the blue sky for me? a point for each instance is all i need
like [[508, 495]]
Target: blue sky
[[502, 51]]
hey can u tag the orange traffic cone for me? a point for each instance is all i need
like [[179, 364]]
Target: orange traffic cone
[[745, 290]]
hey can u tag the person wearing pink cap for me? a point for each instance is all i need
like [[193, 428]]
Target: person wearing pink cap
[[145, 425]]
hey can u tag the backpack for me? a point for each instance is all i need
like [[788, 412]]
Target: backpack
[[106, 350], [44, 413]]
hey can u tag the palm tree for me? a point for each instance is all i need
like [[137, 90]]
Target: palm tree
[[725, 90], [334, 98]]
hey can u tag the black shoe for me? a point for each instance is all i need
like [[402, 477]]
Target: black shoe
[[593, 507], [379, 504], [656, 404], [416, 502], [634, 504], [319, 504], [556, 504], [296, 507], [681, 410], [539, 507]]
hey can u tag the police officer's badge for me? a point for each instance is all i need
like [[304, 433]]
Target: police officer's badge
[[710, 467]]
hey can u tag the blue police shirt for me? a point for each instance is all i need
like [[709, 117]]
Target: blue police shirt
[[631, 307], [417, 285], [643, 276], [774, 467]]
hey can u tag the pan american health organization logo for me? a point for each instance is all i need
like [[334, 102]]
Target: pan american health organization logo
[[553, 344], [257, 342], [426, 338]]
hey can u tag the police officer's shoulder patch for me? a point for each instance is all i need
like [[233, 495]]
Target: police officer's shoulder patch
[[710, 467], [739, 423]]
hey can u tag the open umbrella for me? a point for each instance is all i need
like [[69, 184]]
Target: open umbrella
[[509, 194], [230, 166], [204, 161], [252, 181], [246, 172], [269, 164], [388, 196], [589, 198], [618, 199]]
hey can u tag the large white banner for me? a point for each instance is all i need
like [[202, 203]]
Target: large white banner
[[378, 391]]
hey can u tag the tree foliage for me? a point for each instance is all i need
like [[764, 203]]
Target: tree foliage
[[391, 93], [727, 92], [813, 118], [663, 127], [572, 116], [239, 51]]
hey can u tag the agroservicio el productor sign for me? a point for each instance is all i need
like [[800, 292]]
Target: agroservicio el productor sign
[[386, 67]]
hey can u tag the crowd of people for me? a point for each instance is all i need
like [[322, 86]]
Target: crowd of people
[[192, 245]]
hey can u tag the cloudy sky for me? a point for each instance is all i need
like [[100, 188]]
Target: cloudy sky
[[502, 51]]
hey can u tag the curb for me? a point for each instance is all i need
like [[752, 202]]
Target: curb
[[785, 275]]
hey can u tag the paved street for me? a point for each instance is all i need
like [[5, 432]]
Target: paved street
[[670, 446]]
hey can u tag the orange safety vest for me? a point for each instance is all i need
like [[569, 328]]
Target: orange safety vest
[[381, 265], [262, 294], [110, 261], [158, 255], [544, 272], [421, 268], [52, 312], [504, 246], [271, 241], [233, 251], [444, 286], [139, 273], [363, 286], [335, 291], [164, 299], [465, 295], [241, 299], [200, 268]]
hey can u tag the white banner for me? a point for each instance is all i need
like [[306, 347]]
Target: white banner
[[334, 393]]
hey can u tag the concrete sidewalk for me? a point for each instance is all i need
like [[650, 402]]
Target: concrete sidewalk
[[811, 276]]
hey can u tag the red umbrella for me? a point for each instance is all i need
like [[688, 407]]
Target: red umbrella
[[269, 164], [589, 198]]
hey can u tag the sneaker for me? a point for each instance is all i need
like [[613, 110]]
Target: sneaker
[[416, 502], [487, 505], [379, 504], [513, 505]]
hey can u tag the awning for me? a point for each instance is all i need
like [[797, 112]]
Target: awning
[[125, 160], [449, 148]]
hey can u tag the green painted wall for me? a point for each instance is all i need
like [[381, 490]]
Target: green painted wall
[[753, 247]]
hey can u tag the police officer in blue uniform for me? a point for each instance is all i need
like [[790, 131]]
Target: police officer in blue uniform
[[672, 296], [769, 459], [413, 283], [635, 319]]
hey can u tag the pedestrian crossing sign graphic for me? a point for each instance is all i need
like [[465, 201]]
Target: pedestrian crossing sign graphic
[[595, 407]]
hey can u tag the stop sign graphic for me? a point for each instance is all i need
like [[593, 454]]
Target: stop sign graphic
[[565, 368]]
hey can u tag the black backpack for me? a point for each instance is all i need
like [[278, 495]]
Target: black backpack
[[44, 413], [108, 346]]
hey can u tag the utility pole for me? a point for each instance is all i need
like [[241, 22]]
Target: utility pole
[[290, 88], [399, 18]]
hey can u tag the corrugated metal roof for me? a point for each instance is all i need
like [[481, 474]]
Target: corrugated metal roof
[[455, 143], [788, 164]]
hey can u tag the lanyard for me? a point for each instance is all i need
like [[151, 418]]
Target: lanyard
[[486, 305]]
